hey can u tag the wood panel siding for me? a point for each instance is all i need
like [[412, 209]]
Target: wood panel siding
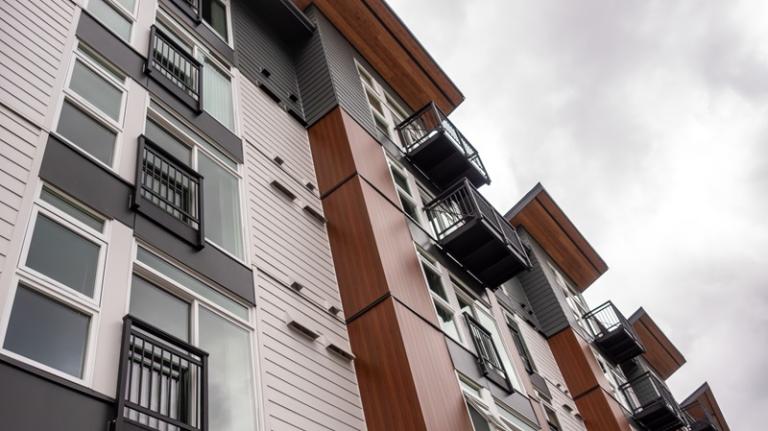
[[374, 30], [601, 412], [702, 401], [31, 62], [660, 352], [577, 363], [543, 219]]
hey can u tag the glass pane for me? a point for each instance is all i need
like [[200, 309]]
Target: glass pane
[[478, 421], [86, 133], [67, 207], [221, 206], [488, 323], [168, 142], [190, 282], [111, 18], [63, 255], [447, 322], [217, 95], [400, 179], [159, 308], [96, 90], [434, 282], [230, 373], [48, 332], [215, 14], [128, 4], [408, 206]]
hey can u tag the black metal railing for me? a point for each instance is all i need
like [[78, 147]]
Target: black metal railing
[[647, 392], [170, 184], [163, 381], [178, 66], [605, 319], [430, 121], [461, 204], [487, 354]]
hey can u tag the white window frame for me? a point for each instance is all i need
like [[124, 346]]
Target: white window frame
[[412, 198], [195, 147], [83, 54], [57, 292], [195, 302], [392, 109], [437, 300], [228, 12], [129, 15]]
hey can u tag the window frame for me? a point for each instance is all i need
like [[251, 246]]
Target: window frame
[[129, 15], [438, 301], [228, 16], [392, 108], [195, 147], [519, 343], [91, 60]]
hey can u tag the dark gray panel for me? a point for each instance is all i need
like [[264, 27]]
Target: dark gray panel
[[117, 52], [314, 77], [540, 292], [516, 301], [31, 402], [77, 175], [262, 55], [203, 32]]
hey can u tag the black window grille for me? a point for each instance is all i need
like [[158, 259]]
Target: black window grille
[[175, 67], [487, 354]]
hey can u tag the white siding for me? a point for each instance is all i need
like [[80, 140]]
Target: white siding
[[547, 367], [303, 385], [33, 36]]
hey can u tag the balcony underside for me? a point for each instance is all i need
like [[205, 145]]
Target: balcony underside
[[482, 251], [618, 345], [703, 425], [443, 162], [660, 416]]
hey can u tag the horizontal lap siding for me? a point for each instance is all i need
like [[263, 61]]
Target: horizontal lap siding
[[18, 145], [33, 35], [317, 93], [546, 366], [304, 386]]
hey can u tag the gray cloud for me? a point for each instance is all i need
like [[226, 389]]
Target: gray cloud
[[647, 122]]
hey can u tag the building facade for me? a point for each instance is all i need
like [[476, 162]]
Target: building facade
[[237, 215]]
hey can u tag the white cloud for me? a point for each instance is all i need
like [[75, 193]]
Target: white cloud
[[646, 120]]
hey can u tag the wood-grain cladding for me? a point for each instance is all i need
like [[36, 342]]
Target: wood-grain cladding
[[551, 228], [373, 28], [660, 353], [601, 412], [703, 400]]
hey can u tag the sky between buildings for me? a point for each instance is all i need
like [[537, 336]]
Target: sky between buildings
[[647, 121]]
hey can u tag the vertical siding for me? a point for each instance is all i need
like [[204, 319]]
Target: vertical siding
[[314, 76], [541, 293], [33, 34], [304, 386], [547, 368], [18, 145]]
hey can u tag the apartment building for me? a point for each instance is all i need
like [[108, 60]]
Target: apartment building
[[237, 215]]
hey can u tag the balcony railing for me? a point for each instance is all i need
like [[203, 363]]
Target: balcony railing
[[438, 148], [471, 230], [162, 381], [612, 333], [488, 358], [652, 405], [175, 68], [169, 192]]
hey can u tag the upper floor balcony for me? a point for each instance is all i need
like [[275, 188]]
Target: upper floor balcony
[[488, 359], [434, 145], [163, 381], [652, 405], [174, 67], [612, 333], [476, 235]]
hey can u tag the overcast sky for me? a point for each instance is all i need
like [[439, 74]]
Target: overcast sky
[[647, 121]]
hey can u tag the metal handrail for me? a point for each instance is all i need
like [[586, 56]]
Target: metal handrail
[[606, 318], [487, 352], [462, 203], [176, 64], [428, 121], [162, 380], [647, 390]]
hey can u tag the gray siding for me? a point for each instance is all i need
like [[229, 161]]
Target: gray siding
[[258, 47], [541, 293], [547, 367], [304, 386], [33, 34], [314, 76]]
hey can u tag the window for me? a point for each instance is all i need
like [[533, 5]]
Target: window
[[552, 421], [56, 297], [440, 299], [479, 422], [116, 15], [217, 94], [403, 188], [485, 319], [214, 13], [181, 311], [386, 112], [91, 111], [222, 210], [522, 348]]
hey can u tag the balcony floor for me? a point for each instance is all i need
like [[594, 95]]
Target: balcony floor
[[444, 163]]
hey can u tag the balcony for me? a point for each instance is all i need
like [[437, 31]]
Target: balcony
[[699, 417], [175, 68], [652, 405], [162, 381], [169, 192], [487, 356], [476, 235], [434, 145], [612, 334]]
